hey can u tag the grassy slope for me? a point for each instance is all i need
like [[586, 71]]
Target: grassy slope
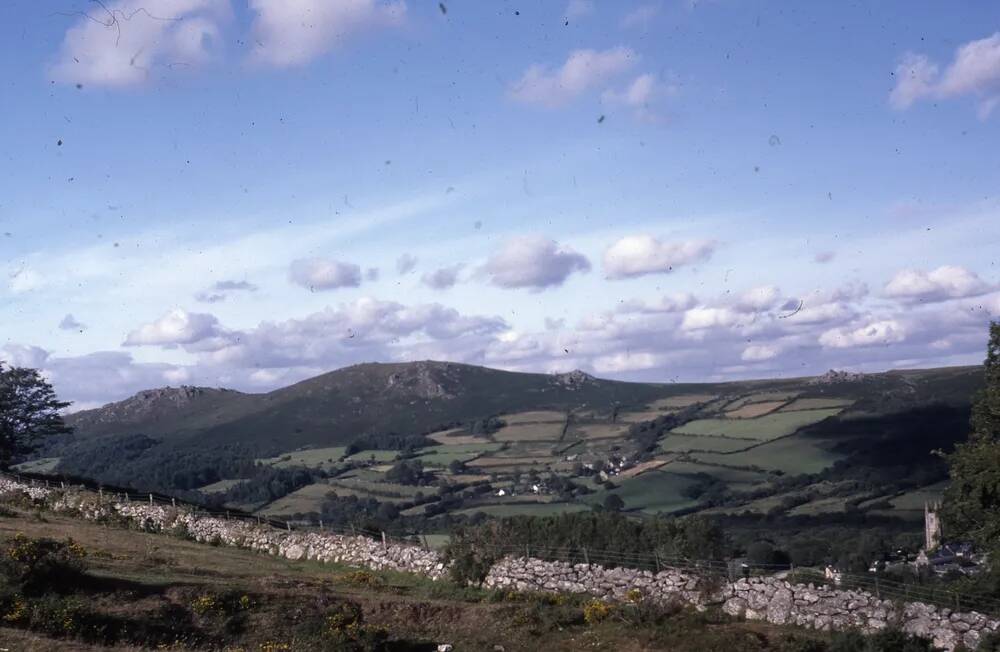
[[156, 578]]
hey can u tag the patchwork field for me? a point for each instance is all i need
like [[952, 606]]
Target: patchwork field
[[816, 404], [788, 455], [765, 428], [753, 410], [313, 457], [681, 401], [674, 443], [652, 492], [600, 431], [220, 486], [535, 416], [530, 432], [527, 509], [41, 465]]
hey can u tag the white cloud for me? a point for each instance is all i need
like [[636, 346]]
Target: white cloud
[[875, 333], [704, 317], [23, 355], [175, 327], [324, 274], [945, 282], [533, 262], [583, 70], [975, 70], [823, 257], [638, 255], [760, 352], [25, 280], [640, 16], [627, 361], [759, 298], [678, 302], [123, 43], [405, 263], [293, 32], [443, 278]]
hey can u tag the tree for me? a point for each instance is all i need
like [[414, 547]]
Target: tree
[[972, 501], [613, 503], [29, 412]]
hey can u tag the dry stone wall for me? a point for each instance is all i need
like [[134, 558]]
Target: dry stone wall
[[772, 599]]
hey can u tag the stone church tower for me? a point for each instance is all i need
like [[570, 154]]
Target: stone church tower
[[932, 526]]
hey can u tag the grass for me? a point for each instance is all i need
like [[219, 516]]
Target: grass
[[307, 499], [789, 455], [512, 462], [530, 432], [765, 428], [534, 416], [376, 455], [377, 487], [816, 404], [41, 465], [526, 509], [754, 410], [652, 492], [220, 486], [639, 416], [729, 476], [674, 443], [600, 431], [682, 401], [313, 457]]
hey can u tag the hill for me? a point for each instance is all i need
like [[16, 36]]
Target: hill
[[420, 446]]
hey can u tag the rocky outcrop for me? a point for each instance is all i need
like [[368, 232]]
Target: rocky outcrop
[[772, 599]]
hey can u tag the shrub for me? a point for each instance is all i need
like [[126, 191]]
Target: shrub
[[344, 629], [596, 611], [34, 566]]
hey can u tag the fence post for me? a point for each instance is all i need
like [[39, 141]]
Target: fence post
[[385, 546], [320, 524], [878, 594], [656, 560], [586, 557], [527, 551], [173, 502], [150, 500], [100, 494]]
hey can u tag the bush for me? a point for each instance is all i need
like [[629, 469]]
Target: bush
[[596, 611], [33, 566]]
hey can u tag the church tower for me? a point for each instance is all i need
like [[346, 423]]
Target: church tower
[[932, 526]]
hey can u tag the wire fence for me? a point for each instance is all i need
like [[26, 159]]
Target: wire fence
[[876, 584]]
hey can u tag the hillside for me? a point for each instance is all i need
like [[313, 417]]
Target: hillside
[[99, 586], [420, 446]]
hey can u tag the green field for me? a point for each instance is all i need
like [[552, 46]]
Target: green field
[[374, 487], [765, 428], [652, 492], [535, 416], [673, 443], [307, 499], [530, 432], [816, 404], [41, 465], [789, 455], [445, 455], [376, 455], [527, 509], [736, 477], [220, 486], [313, 457]]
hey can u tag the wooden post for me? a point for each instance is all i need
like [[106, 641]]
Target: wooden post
[[656, 560], [150, 500], [173, 502], [385, 546], [878, 593], [288, 525], [100, 494], [586, 557]]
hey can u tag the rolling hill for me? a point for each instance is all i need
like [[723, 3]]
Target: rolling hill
[[474, 439]]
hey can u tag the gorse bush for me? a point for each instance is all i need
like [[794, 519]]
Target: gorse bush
[[34, 566]]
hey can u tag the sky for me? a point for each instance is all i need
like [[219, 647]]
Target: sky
[[249, 193]]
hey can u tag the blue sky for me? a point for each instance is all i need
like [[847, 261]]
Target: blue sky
[[213, 192]]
